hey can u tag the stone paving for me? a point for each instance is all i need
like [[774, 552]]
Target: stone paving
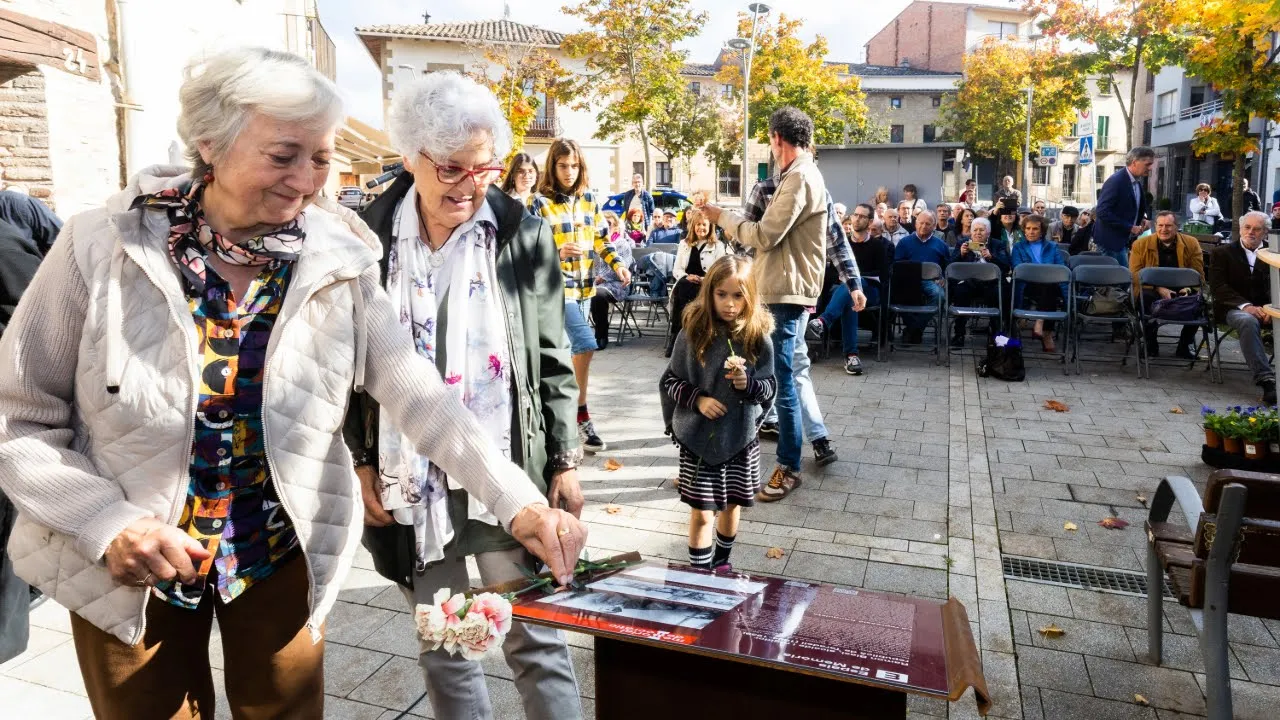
[[940, 472]]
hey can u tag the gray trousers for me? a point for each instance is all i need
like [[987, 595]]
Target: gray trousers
[[1255, 353], [538, 656]]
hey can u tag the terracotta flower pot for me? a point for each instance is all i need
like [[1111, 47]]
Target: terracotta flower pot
[[1255, 450], [1233, 445], [1212, 438]]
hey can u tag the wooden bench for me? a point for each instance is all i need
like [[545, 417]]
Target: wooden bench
[[1230, 563]]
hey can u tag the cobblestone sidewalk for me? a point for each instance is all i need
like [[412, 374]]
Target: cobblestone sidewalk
[[939, 474]]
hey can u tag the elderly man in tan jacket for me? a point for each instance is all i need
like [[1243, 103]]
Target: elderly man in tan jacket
[[1166, 247], [790, 242]]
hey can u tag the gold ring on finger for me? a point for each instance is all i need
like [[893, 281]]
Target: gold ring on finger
[[562, 532]]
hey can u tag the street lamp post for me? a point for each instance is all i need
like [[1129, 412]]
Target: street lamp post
[[1026, 151], [748, 47]]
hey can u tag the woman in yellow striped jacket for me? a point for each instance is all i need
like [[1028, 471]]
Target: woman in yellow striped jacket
[[570, 208]]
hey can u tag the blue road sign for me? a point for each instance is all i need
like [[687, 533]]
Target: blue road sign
[[1086, 150]]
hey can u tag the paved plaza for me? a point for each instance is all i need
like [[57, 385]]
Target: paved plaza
[[940, 473]]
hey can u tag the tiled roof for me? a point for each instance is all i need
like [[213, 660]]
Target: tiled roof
[[699, 69], [503, 31]]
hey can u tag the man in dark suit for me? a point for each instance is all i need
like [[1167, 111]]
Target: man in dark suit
[[1123, 207], [1241, 286]]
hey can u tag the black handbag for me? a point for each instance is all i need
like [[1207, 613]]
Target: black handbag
[[1003, 361], [1183, 308]]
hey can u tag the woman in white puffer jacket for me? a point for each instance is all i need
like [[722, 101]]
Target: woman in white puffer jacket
[[172, 394]]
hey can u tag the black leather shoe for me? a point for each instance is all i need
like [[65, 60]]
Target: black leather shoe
[[1268, 391]]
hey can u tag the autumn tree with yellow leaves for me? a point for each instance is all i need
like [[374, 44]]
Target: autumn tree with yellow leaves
[[988, 112], [521, 77]]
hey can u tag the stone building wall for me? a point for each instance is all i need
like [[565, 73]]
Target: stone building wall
[[24, 132]]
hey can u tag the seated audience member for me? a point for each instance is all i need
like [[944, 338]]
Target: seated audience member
[[1084, 234], [872, 254], [961, 227], [1165, 248], [880, 198], [694, 257], [916, 204], [877, 226], [847, 225], [840, 211], [893, 230], [983, 212], [977, 249], [1033, 248], [1203, 208], [969, 197], [1065, 230], [667, 232], [922, 246], [1275, 216], [943, 211], [1241, 286], [636, 229], [905, 217], [609, 287], [1038, 207], [1005, 229]]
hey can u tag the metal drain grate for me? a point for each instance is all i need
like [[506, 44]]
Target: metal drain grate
[[1088, 577]]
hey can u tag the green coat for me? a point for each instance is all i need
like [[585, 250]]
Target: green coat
[[543, 425]]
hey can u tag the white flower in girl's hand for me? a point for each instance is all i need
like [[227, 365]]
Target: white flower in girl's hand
[[736, 363]]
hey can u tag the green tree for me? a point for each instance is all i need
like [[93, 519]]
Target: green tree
[[785, 71], [988, 112], [632, 65], [684, 123], [521, 76]]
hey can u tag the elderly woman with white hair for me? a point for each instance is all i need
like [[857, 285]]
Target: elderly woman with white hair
[[172, 398], [474, 278]]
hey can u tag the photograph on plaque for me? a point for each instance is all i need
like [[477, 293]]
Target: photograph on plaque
[[634, 608], [670, 593], [717, 582]]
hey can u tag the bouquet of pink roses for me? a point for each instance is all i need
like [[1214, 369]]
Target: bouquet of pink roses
[[470, 626]]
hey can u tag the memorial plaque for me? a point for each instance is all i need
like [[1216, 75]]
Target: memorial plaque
[[866, 637]]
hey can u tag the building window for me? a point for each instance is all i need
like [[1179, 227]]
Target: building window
[[1075, 130], [663, 170], [1040, 175], [1003, 30], [895, 103], [1103, 126], [726, 91], [1146, 132], [930, 133], [1104, 86], [762, 171], [695, 87], [895, 133], [730, 180], [1151, 81], [1195, 96], [936, 101], [1100, 174], [1166, 108], [637, 168], [1068, 180]]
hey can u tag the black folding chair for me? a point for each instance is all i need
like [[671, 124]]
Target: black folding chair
[[1076, 261], [1088, 280], [1177, 279], [929, 272], [1032, 274], [973, 272]]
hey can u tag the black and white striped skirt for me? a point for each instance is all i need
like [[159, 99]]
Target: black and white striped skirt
[[714, 487]]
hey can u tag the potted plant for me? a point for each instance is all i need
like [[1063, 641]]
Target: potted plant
[[1212, 427], [1232, 431], [1256, 430]]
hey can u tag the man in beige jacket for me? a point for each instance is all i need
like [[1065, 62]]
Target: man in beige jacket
[[790, 247]]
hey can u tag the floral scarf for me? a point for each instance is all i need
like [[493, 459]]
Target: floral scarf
[[191, 237], [477, 363]]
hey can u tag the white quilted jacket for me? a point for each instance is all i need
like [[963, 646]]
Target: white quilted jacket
[[98, 389]]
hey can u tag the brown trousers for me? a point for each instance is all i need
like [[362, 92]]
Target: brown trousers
[[273, 670]]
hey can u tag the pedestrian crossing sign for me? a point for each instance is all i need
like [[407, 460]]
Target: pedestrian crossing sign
[[1086, 150]]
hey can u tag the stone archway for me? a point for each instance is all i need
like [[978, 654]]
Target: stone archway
[[24, 131]]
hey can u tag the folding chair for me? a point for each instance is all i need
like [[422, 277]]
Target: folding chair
[[1087, 278], [1037, 274], [1176, 279], [929, 272], [973, 272], [1076, 261]]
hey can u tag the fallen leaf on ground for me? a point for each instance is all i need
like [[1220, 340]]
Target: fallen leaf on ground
[[1052, 631], [1068, 525], [1142, 499], [1056, 406], [1177, 410], [1140, 699], [1113, 523], [612, 509], [774, 553], [612, 465]]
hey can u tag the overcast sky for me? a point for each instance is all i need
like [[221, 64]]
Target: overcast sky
[[847, 25]]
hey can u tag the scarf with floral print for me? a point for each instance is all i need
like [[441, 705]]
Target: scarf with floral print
[[191, 237]]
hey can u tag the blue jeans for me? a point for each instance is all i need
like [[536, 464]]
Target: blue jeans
[[840, 307], [786, 331], [810, 414], [1121, 256], [932, 294]]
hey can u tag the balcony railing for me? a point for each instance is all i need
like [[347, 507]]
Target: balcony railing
[[1202, 109], [1162, 120], [544, 127]]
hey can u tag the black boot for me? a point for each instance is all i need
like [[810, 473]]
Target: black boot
[[1268, 391]]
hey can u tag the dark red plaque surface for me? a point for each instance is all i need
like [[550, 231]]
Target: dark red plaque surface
[[855, 635]]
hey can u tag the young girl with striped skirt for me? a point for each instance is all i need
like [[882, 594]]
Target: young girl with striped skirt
[[714, 394]]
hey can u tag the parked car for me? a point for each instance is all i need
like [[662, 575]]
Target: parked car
[[351, 197], [664, 199]]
